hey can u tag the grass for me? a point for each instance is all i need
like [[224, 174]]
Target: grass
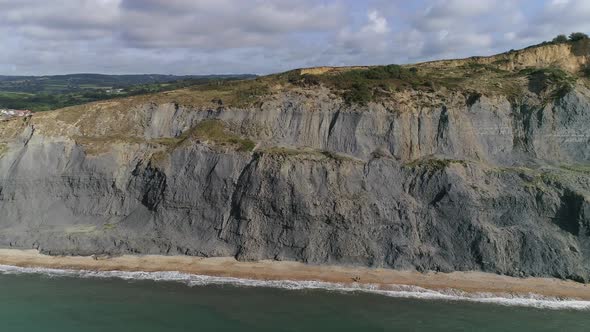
[[3, 149], [80, 229], [220, 94], [211, 131], [242, 94], [434, 164], [360, 86], [94, 146], [335, 156], [216, 131], [579, 168], [285, 152], [109, 226], [534, 178], [14, 95], [380, 83], [305, 152]]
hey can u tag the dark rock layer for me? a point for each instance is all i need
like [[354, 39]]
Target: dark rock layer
[[471, 185]]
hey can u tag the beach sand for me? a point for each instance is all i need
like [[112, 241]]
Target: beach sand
[[471, 282]]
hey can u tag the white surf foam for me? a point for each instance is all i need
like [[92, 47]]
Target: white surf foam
[[398, 291]]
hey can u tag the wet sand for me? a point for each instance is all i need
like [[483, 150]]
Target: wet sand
[[471, 282]]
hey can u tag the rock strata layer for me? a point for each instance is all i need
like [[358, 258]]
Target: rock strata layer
[[465, 183]]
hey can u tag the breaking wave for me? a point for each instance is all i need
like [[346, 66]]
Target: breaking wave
[[398, 291]]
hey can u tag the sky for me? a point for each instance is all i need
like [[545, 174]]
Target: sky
[[41, 37]]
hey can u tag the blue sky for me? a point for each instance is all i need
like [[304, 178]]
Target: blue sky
[[264, 36]]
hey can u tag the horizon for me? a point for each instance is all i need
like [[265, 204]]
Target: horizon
[[542, 43], [130, 74], [123, 37]]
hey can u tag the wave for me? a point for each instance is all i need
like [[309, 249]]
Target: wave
[[398, 291]]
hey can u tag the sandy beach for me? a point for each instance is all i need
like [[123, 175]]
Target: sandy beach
[[471, 282]]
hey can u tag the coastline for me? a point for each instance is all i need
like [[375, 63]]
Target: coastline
[[376, 278]]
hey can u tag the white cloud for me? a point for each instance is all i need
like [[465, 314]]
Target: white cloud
[[445, 14], [510, 35], [557, 17], [559, 2], [377, 23], [373, 37], [172, 23], [224, 24], [221, 36], [180, 36]]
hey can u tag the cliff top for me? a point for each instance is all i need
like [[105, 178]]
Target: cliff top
[[543, 71], [509, 74], [570, 56]]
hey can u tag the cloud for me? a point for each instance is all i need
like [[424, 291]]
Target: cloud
[[459, 28], [70, 17], [178, 29], [377, 23], [172, 23], [262, 36], [563, 16], [373, 37], [447, 13]]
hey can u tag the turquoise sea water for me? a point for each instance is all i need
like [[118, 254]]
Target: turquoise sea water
[[38, 302]]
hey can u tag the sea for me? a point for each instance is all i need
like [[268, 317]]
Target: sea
[[35, 300]]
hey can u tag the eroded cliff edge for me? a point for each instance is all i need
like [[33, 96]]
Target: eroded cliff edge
[[489, 171]]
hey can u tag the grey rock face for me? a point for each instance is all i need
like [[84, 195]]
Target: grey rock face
[[468, 185]]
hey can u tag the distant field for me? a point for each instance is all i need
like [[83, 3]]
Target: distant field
[[9, 94], [43, 93]]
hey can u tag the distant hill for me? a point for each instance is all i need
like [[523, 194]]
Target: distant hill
[[42, 93], [76, 82]]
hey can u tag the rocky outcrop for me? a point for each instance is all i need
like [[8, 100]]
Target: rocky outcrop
[[464, 182]]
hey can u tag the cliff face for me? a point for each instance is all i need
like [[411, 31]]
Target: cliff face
[[432, 180], [571, 57]]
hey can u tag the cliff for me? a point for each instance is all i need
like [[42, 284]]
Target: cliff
[[465, 165]]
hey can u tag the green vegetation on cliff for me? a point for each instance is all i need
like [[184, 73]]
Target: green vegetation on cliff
[[210, 130], [502, 74], [3, 149], [216, 131], [541, 69]]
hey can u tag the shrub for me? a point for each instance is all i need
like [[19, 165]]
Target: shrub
[[575, 36], [308, 80], [293, 77], [581, 47], [248, 94], [388, 72], [560, 39], [377, 73], [359, 93], [548, 76], [554, 80]]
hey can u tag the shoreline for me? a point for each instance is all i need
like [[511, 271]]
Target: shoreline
[[472, 283]]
